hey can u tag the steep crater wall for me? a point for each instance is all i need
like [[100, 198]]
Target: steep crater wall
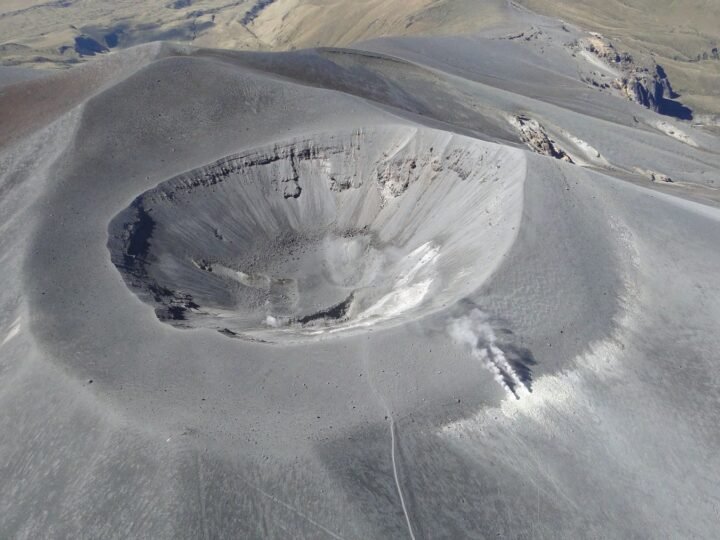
[[324, 235]]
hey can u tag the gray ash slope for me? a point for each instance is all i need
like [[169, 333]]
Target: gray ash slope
[[564, 386]]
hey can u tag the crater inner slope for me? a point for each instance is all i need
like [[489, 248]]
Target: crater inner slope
[[324, 235]]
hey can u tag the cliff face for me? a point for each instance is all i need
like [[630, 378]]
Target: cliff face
[[645, 83], [647, 86]]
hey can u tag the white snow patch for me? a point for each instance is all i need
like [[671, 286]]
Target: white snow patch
[[424, 255], [14, 331], [397, 301], [676, 133], [598, 63], [589, 152]]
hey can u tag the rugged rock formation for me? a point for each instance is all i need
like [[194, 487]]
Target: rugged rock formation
[[644, 83], [647, 87], [535, 136]]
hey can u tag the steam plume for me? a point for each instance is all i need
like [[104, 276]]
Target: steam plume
[[475, 331]]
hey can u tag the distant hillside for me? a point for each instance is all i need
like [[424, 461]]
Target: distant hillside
[[683, 36]]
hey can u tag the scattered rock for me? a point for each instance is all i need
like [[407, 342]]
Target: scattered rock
[[655, 176]]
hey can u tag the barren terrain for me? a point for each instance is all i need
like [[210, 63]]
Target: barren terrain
[[405, 284]]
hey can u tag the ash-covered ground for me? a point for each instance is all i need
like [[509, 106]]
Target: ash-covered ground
[[421, 287]]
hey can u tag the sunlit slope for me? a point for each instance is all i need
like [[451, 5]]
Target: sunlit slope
[[302, 23], [681, 35]]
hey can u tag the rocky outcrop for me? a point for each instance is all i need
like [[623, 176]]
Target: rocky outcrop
[[535, 136], [604, 49], [396, 175], [645, 83], [647, 87], [283, 160]]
